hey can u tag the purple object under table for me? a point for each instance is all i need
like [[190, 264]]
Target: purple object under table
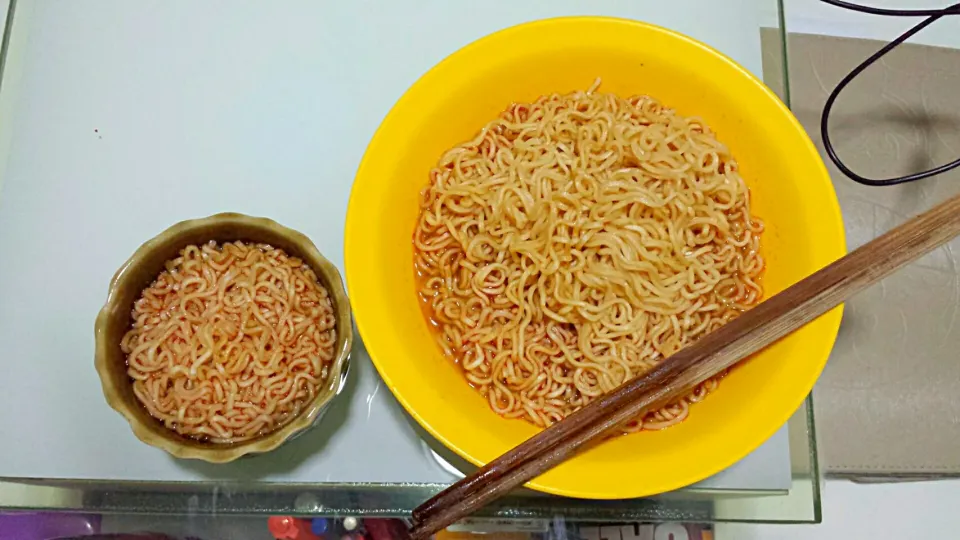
[[47, 526]]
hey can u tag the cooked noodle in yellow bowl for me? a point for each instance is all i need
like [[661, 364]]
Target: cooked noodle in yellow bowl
[[543, 217]]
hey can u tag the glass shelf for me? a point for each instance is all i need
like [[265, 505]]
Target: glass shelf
[[798, 504]]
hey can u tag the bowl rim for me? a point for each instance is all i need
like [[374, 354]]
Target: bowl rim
[[339, 368], [830, 211]]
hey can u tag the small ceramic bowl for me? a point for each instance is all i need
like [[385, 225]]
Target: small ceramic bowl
[[142, 269]]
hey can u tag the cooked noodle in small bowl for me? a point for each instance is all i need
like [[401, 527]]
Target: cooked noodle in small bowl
[[223, 336]]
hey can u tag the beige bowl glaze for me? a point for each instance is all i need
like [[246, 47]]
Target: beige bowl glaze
[[141, 270]]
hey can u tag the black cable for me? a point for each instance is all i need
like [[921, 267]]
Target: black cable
[[932, 16]]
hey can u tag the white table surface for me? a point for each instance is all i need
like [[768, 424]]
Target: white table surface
[[906, 510], [816, 17], [125, 117]]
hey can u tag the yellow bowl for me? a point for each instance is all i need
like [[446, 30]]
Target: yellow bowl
[[791, 192]]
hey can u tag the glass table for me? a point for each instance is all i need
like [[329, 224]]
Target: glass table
[[798, 504]]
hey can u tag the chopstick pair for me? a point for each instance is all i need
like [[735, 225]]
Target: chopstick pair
[[755, 329]]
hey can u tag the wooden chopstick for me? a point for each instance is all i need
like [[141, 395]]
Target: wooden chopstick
[[755, 329]]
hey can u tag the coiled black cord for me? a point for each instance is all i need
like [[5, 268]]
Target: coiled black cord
[[932, 16]]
